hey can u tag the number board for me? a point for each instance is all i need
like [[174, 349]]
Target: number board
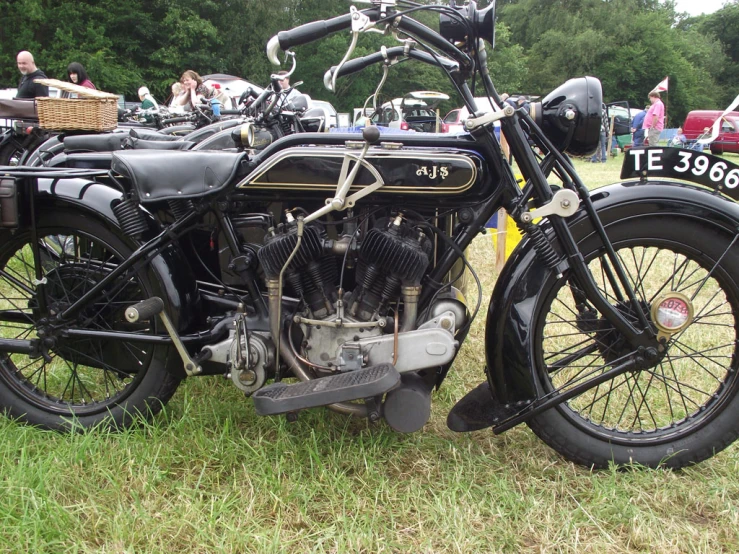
[[686, 165]]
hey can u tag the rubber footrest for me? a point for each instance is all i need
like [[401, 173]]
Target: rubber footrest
[[281, 398]]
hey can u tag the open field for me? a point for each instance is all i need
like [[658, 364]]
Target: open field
[[209, 475]]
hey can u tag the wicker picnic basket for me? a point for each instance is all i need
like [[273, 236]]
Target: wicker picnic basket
[[93, 110]]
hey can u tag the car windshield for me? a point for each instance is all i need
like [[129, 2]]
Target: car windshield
[[452, 117], [729, 125], [418, 112], [383, 116]]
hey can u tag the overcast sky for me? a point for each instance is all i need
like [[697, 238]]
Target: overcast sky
[[697, 7]]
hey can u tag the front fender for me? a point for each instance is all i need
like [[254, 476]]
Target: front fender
[[176, 284], [510, 320]]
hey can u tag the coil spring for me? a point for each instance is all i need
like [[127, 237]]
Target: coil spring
[[180, 208], [543, 247], [130, 218]]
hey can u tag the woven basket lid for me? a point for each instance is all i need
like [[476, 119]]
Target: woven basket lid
[[71, 87]]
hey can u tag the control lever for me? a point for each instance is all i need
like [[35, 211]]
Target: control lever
[[564, 203], [360, 23], [370, 135]]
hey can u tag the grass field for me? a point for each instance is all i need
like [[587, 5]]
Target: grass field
[[209, 475]]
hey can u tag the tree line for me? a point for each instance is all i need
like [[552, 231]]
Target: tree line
[[630, 45]]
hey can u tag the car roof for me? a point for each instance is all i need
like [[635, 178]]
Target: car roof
[[233, 86], [324, 104]]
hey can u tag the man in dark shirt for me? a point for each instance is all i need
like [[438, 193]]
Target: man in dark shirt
[[636, 128], [27, 88]]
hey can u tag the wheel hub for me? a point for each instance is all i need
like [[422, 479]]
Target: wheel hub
[[671, 313]]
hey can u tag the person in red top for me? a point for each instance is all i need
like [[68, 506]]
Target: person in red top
[[654, 121], [78, 75]]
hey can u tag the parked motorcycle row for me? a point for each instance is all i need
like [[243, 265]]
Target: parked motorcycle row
[[321, 269]]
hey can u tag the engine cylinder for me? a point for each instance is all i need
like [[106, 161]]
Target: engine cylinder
[[398, 252], [278, 248]]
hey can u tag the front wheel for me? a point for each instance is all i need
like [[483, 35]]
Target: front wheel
[[80, 381], [682, 410]]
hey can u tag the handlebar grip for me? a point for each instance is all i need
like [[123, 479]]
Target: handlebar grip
[[230, 112], [358, 64], [313, 31]]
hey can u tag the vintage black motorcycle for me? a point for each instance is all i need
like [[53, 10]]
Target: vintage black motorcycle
[[611, 332]]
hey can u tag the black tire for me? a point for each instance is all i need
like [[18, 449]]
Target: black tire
[[86, 382], [683, 410], [11, 153]]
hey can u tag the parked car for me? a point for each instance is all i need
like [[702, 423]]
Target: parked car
[[622, 115], [416, 111], [332, 118], [454, 120], [728, 139], [7, 94]]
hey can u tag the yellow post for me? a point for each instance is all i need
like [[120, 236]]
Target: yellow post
[[502, 232], [610, 136], [506, 149]]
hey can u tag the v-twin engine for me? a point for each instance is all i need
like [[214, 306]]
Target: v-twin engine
[[359, 296]]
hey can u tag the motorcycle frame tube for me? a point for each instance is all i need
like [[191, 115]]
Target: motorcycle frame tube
[[509, 329], [151, 248]]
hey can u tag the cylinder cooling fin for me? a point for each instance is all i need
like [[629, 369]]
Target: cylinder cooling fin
[[279, 246], [399, 251]]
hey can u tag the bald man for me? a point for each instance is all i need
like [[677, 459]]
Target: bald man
[[27, 88]]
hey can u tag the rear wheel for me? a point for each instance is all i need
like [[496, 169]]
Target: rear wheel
[[80, 381], [682, 410], [11, 153]]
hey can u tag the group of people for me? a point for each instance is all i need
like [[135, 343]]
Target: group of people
[[645, 127], [28, 88], [190, 94]]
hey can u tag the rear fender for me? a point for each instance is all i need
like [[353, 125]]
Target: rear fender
[[176, 284], [47, 150], [510, 320]]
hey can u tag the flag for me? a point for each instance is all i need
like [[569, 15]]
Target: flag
[[662, 86]]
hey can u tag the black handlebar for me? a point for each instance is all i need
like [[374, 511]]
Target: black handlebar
[[358, 64], [177, 120], [313, 31], [319, 29]]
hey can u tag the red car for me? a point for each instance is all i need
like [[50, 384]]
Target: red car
[[728, 139]]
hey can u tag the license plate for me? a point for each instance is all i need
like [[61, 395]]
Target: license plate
[[686, 165]]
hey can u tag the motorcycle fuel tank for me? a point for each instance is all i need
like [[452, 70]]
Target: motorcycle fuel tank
[[419, 172]]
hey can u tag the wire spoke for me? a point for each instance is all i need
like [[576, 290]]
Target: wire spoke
[[578, 343]]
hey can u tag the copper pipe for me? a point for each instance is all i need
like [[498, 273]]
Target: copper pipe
[[395, 337]]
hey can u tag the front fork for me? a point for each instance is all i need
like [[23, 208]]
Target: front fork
[[640, 336]]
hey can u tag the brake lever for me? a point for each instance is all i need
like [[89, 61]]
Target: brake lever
[[360, 23], [276, 77]]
